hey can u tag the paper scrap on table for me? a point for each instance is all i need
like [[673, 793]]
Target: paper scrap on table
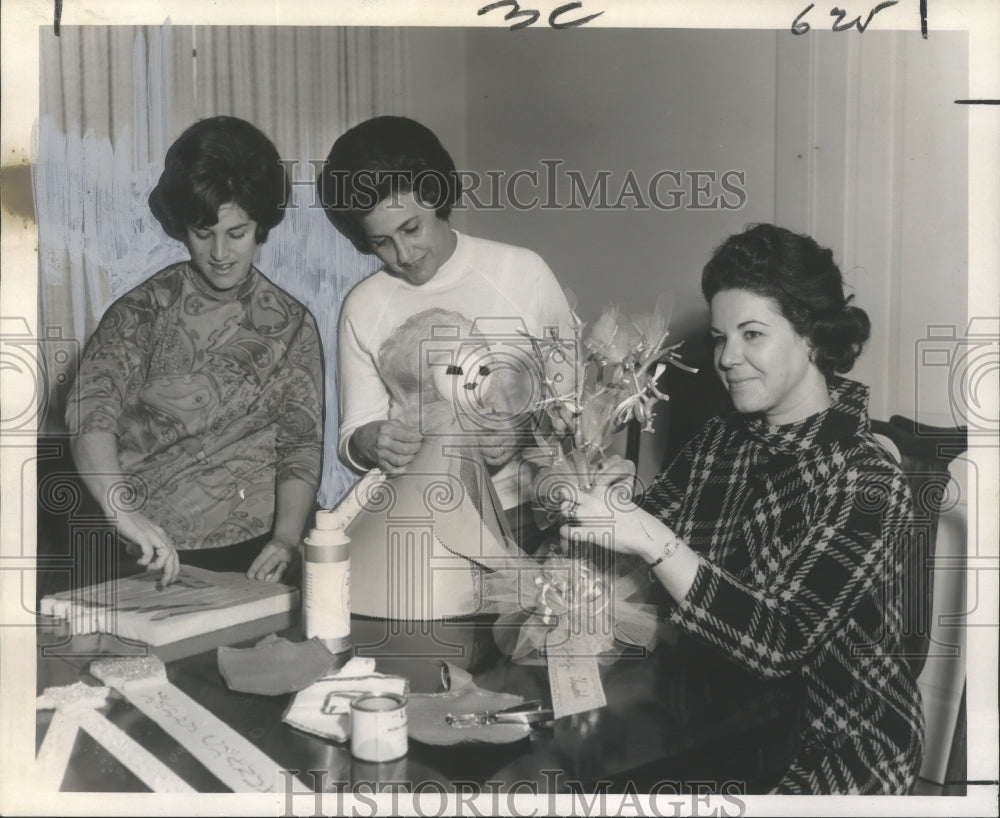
[[427, 717], [574, 679], [324, 708], [275, 665]]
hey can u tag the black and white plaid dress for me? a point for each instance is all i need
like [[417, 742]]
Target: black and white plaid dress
[[798, 529]]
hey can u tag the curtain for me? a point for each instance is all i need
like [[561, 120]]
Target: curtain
[[113, 98]]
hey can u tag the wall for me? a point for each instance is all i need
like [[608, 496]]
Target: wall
[[872, 160], [624, 100], [619, 102], [436, 87], [852, 139]]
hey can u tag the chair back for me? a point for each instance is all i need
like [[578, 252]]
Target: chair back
[[924, 455]]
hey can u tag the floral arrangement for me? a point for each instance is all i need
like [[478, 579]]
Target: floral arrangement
[[578, 599], [619, 362]]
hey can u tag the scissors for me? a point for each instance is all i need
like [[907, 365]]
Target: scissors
[[530, 712]]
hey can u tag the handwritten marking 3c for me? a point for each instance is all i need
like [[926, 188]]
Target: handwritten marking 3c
[[532, 15]]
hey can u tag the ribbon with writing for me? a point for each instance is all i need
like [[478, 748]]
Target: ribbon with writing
[[76, 707], [225, 753]]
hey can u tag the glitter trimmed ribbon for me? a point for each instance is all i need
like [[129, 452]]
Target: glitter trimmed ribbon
[[225, 753], [76, 707]]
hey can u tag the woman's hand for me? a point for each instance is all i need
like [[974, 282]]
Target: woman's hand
[[497, 450], [293, 503], [616, 469], [636, 531], [388, 444], [157, 549], [96, 458], [275, 560]]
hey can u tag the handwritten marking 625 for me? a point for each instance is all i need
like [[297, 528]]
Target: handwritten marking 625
[[515, 10], [800, 26]]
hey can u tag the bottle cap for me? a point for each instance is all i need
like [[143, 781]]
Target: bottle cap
[[327, 536], [326, 520]]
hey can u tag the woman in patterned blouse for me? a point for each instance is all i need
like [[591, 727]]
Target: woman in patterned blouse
[[201, 390], [776, 531]]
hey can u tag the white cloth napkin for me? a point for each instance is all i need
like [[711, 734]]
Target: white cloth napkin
[[324, 708]]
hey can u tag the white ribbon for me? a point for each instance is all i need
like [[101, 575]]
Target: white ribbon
[[57, 747], [75, 707], [224, 752]]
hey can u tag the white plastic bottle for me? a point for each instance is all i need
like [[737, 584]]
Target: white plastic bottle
[[326, 584]]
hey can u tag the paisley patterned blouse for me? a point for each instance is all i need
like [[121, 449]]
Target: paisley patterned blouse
[[215, 397]]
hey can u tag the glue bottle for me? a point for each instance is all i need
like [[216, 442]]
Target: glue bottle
[[326, 584]]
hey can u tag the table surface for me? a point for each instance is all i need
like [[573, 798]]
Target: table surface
[[680, 714]]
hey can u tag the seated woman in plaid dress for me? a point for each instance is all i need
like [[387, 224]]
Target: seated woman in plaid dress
[[776, 530]]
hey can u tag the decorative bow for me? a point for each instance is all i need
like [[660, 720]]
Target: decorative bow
[[582, 591], [571, 600]]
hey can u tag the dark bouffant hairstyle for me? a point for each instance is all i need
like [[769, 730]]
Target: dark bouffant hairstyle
[[380, 158], [214, 162], [803, 279]]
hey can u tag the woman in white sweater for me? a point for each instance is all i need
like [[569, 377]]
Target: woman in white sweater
[[389, 186]]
